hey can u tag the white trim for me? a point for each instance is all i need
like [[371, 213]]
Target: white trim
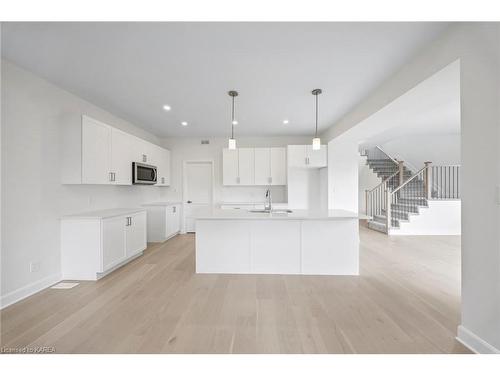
[[474, 342], [184, 165], [28, 290]]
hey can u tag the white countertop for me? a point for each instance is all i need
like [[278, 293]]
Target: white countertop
[[219, 214], [103, 214], [161, 203]]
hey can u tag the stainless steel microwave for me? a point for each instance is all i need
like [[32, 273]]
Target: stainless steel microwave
[[144, 174]]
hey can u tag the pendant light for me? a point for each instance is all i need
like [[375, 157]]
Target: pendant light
[[316, 142], [232, 141]]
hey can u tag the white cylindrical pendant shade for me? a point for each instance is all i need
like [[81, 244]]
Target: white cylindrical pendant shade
[[316, 144], [232, 144]]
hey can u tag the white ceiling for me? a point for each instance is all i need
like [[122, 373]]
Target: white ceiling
[[132, 69], [430, 108]]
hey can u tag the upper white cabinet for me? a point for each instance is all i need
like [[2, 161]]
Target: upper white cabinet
[[230, 175], [303, 156], [121, 157], [262, 166], [246, 171], [161, 158], [270, 166], [254, 166], [96, 153], [278, 165]]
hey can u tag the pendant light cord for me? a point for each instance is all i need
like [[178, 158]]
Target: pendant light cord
[[232, 118], [316, 131]]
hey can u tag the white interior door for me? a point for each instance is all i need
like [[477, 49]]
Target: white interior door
[[198, 192]]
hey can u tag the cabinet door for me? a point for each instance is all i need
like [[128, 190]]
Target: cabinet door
[[162, 162], [230, 167], [246, 166], [296, 156], [135, 233], [173, 220], [166, 167], [262, 166], [278, 165], [113, 242], [317, 158], [121, 157], [177, 219], [96, 152], [142, 151]]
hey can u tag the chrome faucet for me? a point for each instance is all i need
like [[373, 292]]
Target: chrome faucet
[[269, 200]]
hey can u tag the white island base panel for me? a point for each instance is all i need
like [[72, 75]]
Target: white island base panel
[[287, 247]]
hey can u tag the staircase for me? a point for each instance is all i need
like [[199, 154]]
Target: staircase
[[405, 191]]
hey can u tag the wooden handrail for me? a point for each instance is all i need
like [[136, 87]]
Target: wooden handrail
[[384, 181], [410, 179], [386, 154]]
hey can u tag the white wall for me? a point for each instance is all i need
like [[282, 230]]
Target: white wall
[[367, 180], [187, 148], [441, 149], [439, 218], [343, 160], [33, 199], [477, 45]]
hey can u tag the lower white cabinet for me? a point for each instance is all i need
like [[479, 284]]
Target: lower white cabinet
[[93, 244], [164, 220]]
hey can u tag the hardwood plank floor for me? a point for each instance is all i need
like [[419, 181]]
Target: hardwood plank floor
[[406, 300]]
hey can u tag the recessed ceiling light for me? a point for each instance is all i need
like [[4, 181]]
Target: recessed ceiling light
[[184, 123], [285, 122], [234, 122], [166, 107]]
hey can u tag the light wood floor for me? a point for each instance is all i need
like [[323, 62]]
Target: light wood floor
[[406, 300]]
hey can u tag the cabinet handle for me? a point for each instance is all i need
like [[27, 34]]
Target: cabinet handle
[[173, 210], [114, 176], [111, 176], [144, 158], [163, 180]]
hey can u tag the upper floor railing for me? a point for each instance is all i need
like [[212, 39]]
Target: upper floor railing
[[445, 182]]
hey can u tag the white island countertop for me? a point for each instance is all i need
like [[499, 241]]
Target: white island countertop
[[103, 214], [219, 214], [161, 203]]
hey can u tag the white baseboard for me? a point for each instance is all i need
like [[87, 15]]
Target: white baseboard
[[28, 290], [474, 342]]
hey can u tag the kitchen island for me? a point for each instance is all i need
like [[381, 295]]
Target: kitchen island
[[301, 242]]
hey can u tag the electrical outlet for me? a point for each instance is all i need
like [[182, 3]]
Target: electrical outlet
[[34, 266]]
